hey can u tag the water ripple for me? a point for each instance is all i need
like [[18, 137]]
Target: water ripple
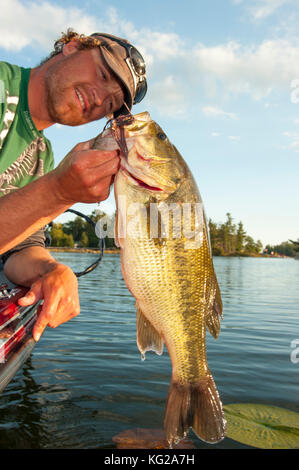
[[85, 381]]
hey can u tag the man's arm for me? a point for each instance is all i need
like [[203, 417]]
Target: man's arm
[[85, 175], [28, 209], [49, 280]]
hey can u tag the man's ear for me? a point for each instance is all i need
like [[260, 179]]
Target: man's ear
[[70, 47]]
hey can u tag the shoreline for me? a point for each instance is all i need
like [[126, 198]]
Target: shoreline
[[116, 251]]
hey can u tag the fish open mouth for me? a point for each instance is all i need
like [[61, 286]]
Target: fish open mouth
[[140, 182]]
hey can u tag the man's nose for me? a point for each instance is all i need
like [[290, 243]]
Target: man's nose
[[99, 96]]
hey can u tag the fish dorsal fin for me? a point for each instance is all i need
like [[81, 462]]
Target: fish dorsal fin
[[214, 313], [148, 339]]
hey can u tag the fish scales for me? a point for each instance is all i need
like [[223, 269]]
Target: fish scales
[[166, 294], [170, 274]]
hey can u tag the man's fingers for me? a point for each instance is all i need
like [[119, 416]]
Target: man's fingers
[[106, 158], [101, 190], [33, 296], [95, 158], [35, 333], [39, 327], [83, 168], [47, 312], [106, 169], [65, 311], [97, 180]]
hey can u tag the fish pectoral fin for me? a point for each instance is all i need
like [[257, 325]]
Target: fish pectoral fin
[[213, 316], [148, 339]]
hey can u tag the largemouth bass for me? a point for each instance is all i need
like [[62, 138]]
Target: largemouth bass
[[167, 265]]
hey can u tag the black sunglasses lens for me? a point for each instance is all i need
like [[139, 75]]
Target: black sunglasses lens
[[137, 62], [140, 91]]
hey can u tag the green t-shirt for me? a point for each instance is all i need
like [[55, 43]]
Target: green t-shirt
[[25, 153]]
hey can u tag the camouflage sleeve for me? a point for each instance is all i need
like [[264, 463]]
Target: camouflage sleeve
[[36, 239]]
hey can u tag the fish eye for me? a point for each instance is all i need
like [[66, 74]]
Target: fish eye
[[161, 136]]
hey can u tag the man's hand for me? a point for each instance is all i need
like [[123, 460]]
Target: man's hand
[[85, 174], [50, 281], [59, 291]]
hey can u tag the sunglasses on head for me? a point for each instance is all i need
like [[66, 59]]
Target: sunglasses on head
[[136, 64]]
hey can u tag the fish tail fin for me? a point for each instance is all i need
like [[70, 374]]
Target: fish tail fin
[[196, 405]]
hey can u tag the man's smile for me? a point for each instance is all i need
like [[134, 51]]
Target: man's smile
[[83, 102]]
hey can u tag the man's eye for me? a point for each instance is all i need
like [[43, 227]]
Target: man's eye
[[104, 75]]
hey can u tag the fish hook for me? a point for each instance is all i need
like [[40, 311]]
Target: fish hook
[[117, 126]]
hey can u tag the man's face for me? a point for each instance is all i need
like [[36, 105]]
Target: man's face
[[81, 88]]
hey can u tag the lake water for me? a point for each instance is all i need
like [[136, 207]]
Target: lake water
[[85, 381]]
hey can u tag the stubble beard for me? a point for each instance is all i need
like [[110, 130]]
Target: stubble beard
[[56, 92]]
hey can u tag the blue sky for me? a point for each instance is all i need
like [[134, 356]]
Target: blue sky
[[223, 83]]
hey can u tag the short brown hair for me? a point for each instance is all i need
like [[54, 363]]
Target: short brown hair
[[84, 42]]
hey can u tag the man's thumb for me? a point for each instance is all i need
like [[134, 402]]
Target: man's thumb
[[33, 296]]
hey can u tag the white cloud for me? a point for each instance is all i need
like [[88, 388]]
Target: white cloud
[[214, 111], [294, 140], [264, 8], [179, 74], [295, 145], [255, 70], [38, 24], [261, 9], [291, 134], [233, 138], [168, 98], [270, 105], [154, 45]]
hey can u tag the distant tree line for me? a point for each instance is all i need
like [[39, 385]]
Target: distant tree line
[[78, 232], [288, 248], [229, 239]]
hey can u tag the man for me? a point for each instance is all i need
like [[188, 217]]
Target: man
[[85, 78]]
